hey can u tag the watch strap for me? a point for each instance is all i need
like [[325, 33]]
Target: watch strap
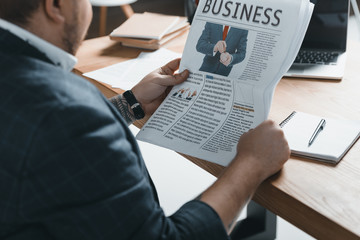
[[134, 104]]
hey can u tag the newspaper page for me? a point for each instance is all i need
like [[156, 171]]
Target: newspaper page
[[236, 52]]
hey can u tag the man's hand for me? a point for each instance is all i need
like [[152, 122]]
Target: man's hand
[[155, 86], [226, 58], [220, 47], [261, 153], [266, 147]]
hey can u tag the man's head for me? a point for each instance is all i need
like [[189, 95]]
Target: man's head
[[63, 23], [18, 11]]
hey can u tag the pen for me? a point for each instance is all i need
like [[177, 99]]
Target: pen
[[319, 127]]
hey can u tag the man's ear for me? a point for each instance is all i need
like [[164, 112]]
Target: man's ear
[[53, 10]]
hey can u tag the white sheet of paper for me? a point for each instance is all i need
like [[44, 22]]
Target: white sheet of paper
[[127, 74]]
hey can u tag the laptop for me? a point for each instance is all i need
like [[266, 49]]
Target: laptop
[[323, 52]]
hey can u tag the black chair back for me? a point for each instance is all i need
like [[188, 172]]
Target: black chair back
[[190, 8]]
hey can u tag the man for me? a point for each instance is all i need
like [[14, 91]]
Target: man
[[69, 166], [223, 47]]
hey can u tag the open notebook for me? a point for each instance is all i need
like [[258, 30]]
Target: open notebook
[[330, 145]]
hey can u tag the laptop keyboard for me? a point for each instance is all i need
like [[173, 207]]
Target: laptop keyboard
[[316, 57]]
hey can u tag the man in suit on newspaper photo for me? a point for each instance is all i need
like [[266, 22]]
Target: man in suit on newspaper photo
[[223, 47]]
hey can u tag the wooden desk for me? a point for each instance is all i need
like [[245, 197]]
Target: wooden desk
[[323, 200]]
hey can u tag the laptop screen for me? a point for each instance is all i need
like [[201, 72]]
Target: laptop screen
[[328, 26]]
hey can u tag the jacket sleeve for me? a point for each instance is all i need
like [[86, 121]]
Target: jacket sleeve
[[122, 106], [241, 48], [84, 178], [204, 44]]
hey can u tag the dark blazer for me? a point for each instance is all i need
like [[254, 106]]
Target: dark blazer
[[236, 41], [69, 166]]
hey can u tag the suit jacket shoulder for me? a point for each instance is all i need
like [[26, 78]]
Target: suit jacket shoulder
[[71, 168]]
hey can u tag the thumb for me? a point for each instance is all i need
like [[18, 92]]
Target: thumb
[[171, 80]]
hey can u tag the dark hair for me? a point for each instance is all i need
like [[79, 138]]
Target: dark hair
[[18, 11]]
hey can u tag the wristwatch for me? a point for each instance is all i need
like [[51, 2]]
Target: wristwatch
[[134, 104]]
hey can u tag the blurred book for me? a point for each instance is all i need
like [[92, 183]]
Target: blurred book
[[150, 30]]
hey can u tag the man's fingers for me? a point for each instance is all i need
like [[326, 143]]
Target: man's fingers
[[167, 76], [224, 45], [171, 80], [170, 67]]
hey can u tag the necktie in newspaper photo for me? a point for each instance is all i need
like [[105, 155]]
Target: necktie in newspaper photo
[[225, 32]]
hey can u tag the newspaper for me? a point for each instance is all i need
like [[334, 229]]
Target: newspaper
[[231, 85]]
